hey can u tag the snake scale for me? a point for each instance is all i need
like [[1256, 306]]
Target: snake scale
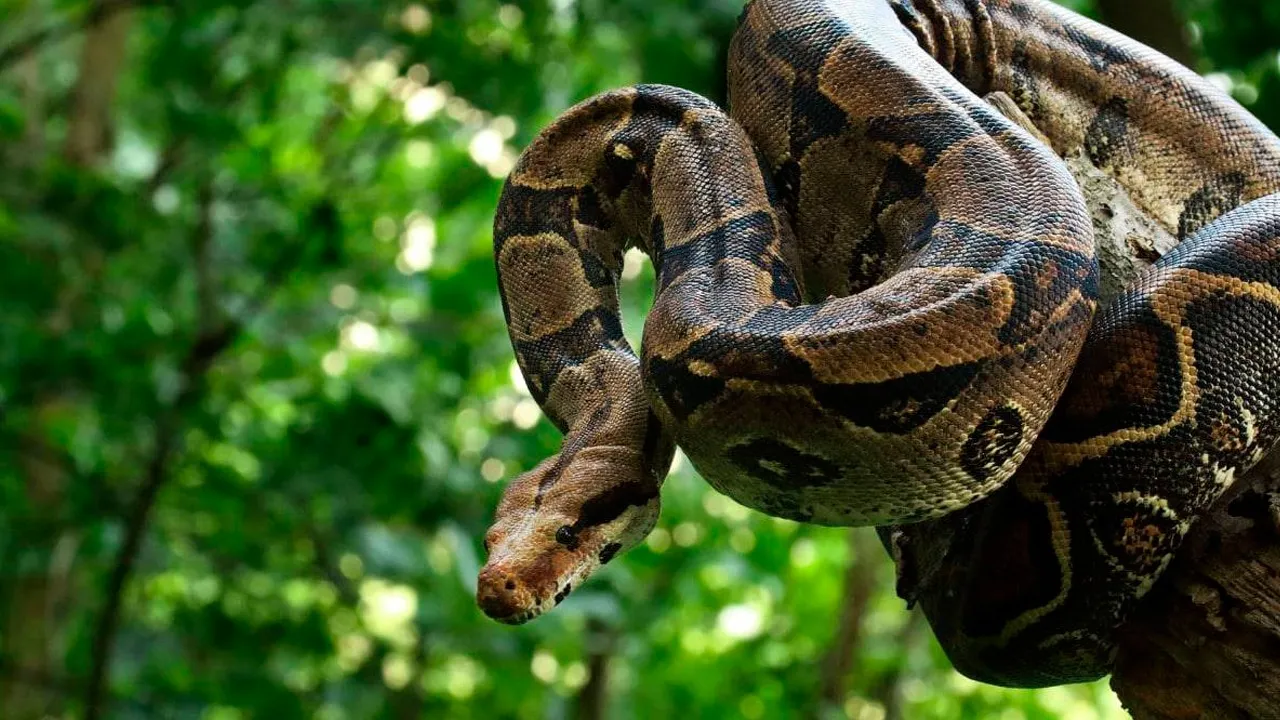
[[877, 304]]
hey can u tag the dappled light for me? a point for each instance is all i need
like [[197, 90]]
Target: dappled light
[[259, 400]]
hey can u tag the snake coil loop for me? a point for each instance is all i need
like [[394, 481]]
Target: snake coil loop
[[876, 306]]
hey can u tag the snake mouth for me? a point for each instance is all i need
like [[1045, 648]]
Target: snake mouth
[[503, 597], [516, 619], [498, 607]]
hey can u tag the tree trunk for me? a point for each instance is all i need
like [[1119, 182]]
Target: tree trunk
[[592, 702], [31, 627], [890, 691], [101, 58], [859, 582], [1205, 643], [1157, 23], [31, 88], [38, 589]]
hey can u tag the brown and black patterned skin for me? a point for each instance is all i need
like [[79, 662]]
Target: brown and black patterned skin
[[872, 292]]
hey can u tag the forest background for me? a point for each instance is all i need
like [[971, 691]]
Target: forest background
[[257, 401]]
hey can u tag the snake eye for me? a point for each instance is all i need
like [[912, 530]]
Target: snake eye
[[567, 536]]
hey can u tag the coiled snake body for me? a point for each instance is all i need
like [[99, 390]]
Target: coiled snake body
[[872, 292]]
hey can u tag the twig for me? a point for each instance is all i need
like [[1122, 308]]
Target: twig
[[348, 594], [206, 299], [170, 159]]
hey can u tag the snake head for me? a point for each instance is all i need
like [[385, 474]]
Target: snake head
[[558, 523]]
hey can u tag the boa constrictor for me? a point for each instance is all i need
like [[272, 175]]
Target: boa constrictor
[[873, 291]]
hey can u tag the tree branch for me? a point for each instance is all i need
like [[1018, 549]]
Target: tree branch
[[213, 341], [97, 14], [201, 357], [348, 593], [1207, 641]]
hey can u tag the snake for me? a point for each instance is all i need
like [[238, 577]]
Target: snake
[[877, 303]]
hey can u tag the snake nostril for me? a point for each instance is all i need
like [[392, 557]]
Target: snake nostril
[[498, 596]]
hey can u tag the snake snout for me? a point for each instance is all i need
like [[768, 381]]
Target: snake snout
[[502, 596]]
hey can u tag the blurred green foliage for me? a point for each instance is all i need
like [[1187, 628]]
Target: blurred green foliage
[[269, 300]]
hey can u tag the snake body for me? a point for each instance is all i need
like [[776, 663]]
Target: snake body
[[873, 290]]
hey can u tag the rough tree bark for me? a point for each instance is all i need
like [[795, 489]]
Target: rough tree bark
[[1205, 643]]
